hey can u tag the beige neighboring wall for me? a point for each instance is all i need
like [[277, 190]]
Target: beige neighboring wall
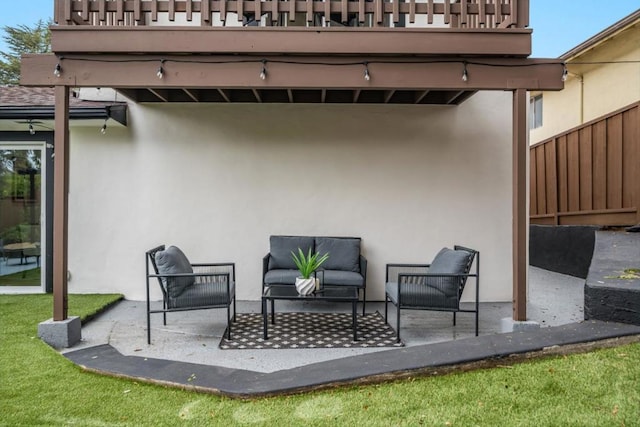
[[593, 90], [217, 180]]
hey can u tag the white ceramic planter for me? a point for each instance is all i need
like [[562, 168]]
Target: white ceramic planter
[[305, 286]]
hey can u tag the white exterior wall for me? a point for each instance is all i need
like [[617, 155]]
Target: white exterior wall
[[218, 180]]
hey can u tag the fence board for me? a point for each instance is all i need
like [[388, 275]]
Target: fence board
[[563, 198], [631, 158], [542, 182], [600, 165], [551, 178], [533, 184], [573, 172], [586, 169], [614, 162]]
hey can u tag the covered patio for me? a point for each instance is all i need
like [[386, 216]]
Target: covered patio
[[477, 48]]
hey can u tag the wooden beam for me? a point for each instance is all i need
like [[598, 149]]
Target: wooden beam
[[224, 95], [356, 95], [61, 203], [162, 95], [520, 214], [290, 40], [388, 94], [229, 72], [132, 94], [453, 97], [191, 93], [421, 96]]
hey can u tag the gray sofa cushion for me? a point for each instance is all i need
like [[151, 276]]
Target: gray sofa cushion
[[281, 248], [449, 261], [173, 261], [344, 253], [281, 276], [338, 277]]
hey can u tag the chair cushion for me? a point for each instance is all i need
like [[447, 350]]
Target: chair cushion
[[210, 293], [420, 295], [339, 277], [173, 261], [449, 261], [344, 253], [283, 276], [281, 248]]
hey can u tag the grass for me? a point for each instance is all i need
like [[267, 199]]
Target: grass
[[22, 278], [627, 274], [40, 387]]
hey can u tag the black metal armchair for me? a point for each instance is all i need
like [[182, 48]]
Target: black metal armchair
[[437, 286], [187, 286]]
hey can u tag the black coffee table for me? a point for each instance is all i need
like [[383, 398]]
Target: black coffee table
[[328, 293]]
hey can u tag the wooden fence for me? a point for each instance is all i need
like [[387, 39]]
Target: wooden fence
[[589, 175]]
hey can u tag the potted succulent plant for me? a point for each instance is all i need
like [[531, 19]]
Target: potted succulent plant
[[307, 265]]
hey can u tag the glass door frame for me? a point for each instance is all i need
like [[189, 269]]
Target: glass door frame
[[42, 141]]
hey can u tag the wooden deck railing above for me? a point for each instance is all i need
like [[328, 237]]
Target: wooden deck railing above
[[489, 14]]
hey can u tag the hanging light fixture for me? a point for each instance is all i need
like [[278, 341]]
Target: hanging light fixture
[[367, 76], [160, 72], [57, 71], [263, 72], [465, 74], [565, 72]]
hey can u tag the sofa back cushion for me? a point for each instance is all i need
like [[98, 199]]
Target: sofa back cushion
[[281, 248], [173, 261], [344, 253]]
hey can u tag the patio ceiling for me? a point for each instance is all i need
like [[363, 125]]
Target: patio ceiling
[[363, 65], [439, 80]]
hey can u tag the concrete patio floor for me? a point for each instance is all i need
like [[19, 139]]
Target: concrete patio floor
[[185, 353], [193, 337]]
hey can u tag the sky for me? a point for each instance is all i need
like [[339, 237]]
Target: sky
[[558, 25]]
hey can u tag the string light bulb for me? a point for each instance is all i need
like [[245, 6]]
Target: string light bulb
[[160, 72], [263, 72], [32, 131], [465, 74], [565, 73], [57, 71], [367, 76], [103, 129]]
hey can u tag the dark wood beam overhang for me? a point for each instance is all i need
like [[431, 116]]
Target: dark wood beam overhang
[[292, 40], [233, 72], [117, 112]]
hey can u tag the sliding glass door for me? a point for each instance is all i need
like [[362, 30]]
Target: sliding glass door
[[21, 216]]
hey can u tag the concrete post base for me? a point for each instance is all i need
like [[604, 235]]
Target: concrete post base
[[507, 324], [60, 334]]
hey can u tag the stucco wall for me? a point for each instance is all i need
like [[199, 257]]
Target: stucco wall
[[217, 180], [610, 78]]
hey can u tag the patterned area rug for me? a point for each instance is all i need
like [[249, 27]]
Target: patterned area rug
[[309, 330]]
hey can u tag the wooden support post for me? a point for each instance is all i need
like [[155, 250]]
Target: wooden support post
[[520, 149], [60, 202]]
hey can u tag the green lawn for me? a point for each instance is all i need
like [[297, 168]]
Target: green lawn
[[40, 387], [22, 278]]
